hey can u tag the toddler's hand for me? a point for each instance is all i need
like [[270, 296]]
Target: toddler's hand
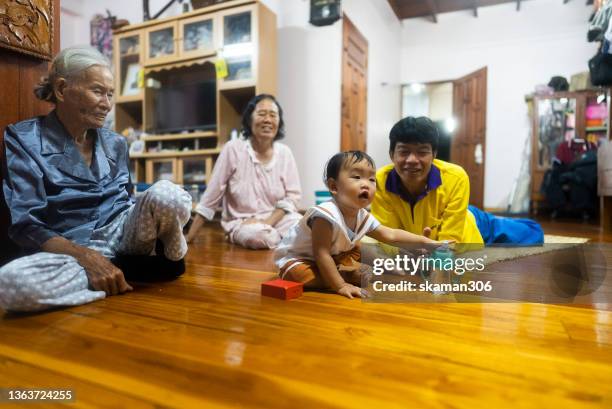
[[449, 243], [434, 244], [350, 291]]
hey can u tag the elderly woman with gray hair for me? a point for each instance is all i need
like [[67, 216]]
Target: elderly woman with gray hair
[[67, 189]]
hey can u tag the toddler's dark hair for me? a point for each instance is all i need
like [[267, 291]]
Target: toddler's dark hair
[[342, 159]]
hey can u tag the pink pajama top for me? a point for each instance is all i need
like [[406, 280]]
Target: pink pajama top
[[248, 188]]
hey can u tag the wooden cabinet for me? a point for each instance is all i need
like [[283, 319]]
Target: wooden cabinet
[[194, 170], [238, 39], [161, 43], [172, 57], [183, 170], [198, 36], [559, 118], [182, 39], [162, 169], [128, 65]]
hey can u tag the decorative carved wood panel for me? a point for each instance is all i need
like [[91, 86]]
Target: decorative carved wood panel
[[19, 73], [26, 26]]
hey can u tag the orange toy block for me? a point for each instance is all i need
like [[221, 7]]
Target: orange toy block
[[282, 289]]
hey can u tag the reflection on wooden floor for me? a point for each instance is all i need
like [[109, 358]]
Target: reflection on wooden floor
[[209, 339]]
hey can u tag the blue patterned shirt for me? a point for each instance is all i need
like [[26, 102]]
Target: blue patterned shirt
[[51, 191]]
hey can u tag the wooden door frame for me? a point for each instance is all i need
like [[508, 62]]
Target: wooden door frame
[[484, 145], [347, 23], [484, 139]]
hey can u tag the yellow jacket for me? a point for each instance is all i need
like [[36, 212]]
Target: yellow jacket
[[444, 206]]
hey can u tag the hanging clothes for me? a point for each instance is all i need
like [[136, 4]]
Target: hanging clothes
[[607, 41], [570, 151], [573, 186], [600, 22]]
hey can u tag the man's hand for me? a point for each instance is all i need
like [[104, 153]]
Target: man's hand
[[102, 274]]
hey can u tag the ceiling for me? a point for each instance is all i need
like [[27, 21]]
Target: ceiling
[[431, 8]]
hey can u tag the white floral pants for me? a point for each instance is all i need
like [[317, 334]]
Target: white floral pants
[[44, 280]]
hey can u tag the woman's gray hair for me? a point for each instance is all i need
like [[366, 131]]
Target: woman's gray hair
[[69, 63]]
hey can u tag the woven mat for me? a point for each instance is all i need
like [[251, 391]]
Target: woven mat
[[551, 243]]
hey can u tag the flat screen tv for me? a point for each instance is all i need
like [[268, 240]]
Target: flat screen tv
[[185, 107]]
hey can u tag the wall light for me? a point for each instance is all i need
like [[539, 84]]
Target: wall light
[[417, 88], [450, 124]]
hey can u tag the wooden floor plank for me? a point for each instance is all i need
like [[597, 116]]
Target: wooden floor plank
[[411, 362], [87, 394], [209, 339]]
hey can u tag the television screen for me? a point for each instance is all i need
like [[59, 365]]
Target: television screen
[[185, 107]]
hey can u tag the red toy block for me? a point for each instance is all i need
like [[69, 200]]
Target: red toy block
[[283, 289]]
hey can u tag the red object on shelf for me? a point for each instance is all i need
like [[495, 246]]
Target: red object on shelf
[[282, 289], [595, 122]]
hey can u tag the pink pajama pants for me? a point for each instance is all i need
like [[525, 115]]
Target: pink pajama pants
[[263, 236]]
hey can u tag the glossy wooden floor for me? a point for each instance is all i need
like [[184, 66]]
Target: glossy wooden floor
[[209, 339]]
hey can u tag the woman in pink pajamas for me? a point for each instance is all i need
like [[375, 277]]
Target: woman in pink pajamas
[[256, 181]]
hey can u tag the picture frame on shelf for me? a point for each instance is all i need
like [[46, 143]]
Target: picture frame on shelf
[[137, 147], [130, 85], [161, 43], [129, 46], [198, 35]]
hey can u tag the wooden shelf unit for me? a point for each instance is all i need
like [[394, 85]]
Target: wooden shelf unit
[[172, 154], [172, 137], [243, 32], [576, 102]]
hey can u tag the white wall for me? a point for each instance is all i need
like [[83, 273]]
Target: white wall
[[77, 14], [440, 101], [309, 91], [310, 79], [520, 49], [378, 23]]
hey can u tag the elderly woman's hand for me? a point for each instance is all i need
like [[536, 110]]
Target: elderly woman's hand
[[102, 274], [252, 220], [271, 220], [196, 225]]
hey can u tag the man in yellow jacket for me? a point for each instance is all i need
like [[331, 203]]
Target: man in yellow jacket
[[421, 194]]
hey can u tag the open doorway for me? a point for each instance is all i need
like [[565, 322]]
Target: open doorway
[[458, 108]]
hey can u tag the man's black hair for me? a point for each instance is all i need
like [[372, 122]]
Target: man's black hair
[[247, 116], [414, 130], [339, 160]]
